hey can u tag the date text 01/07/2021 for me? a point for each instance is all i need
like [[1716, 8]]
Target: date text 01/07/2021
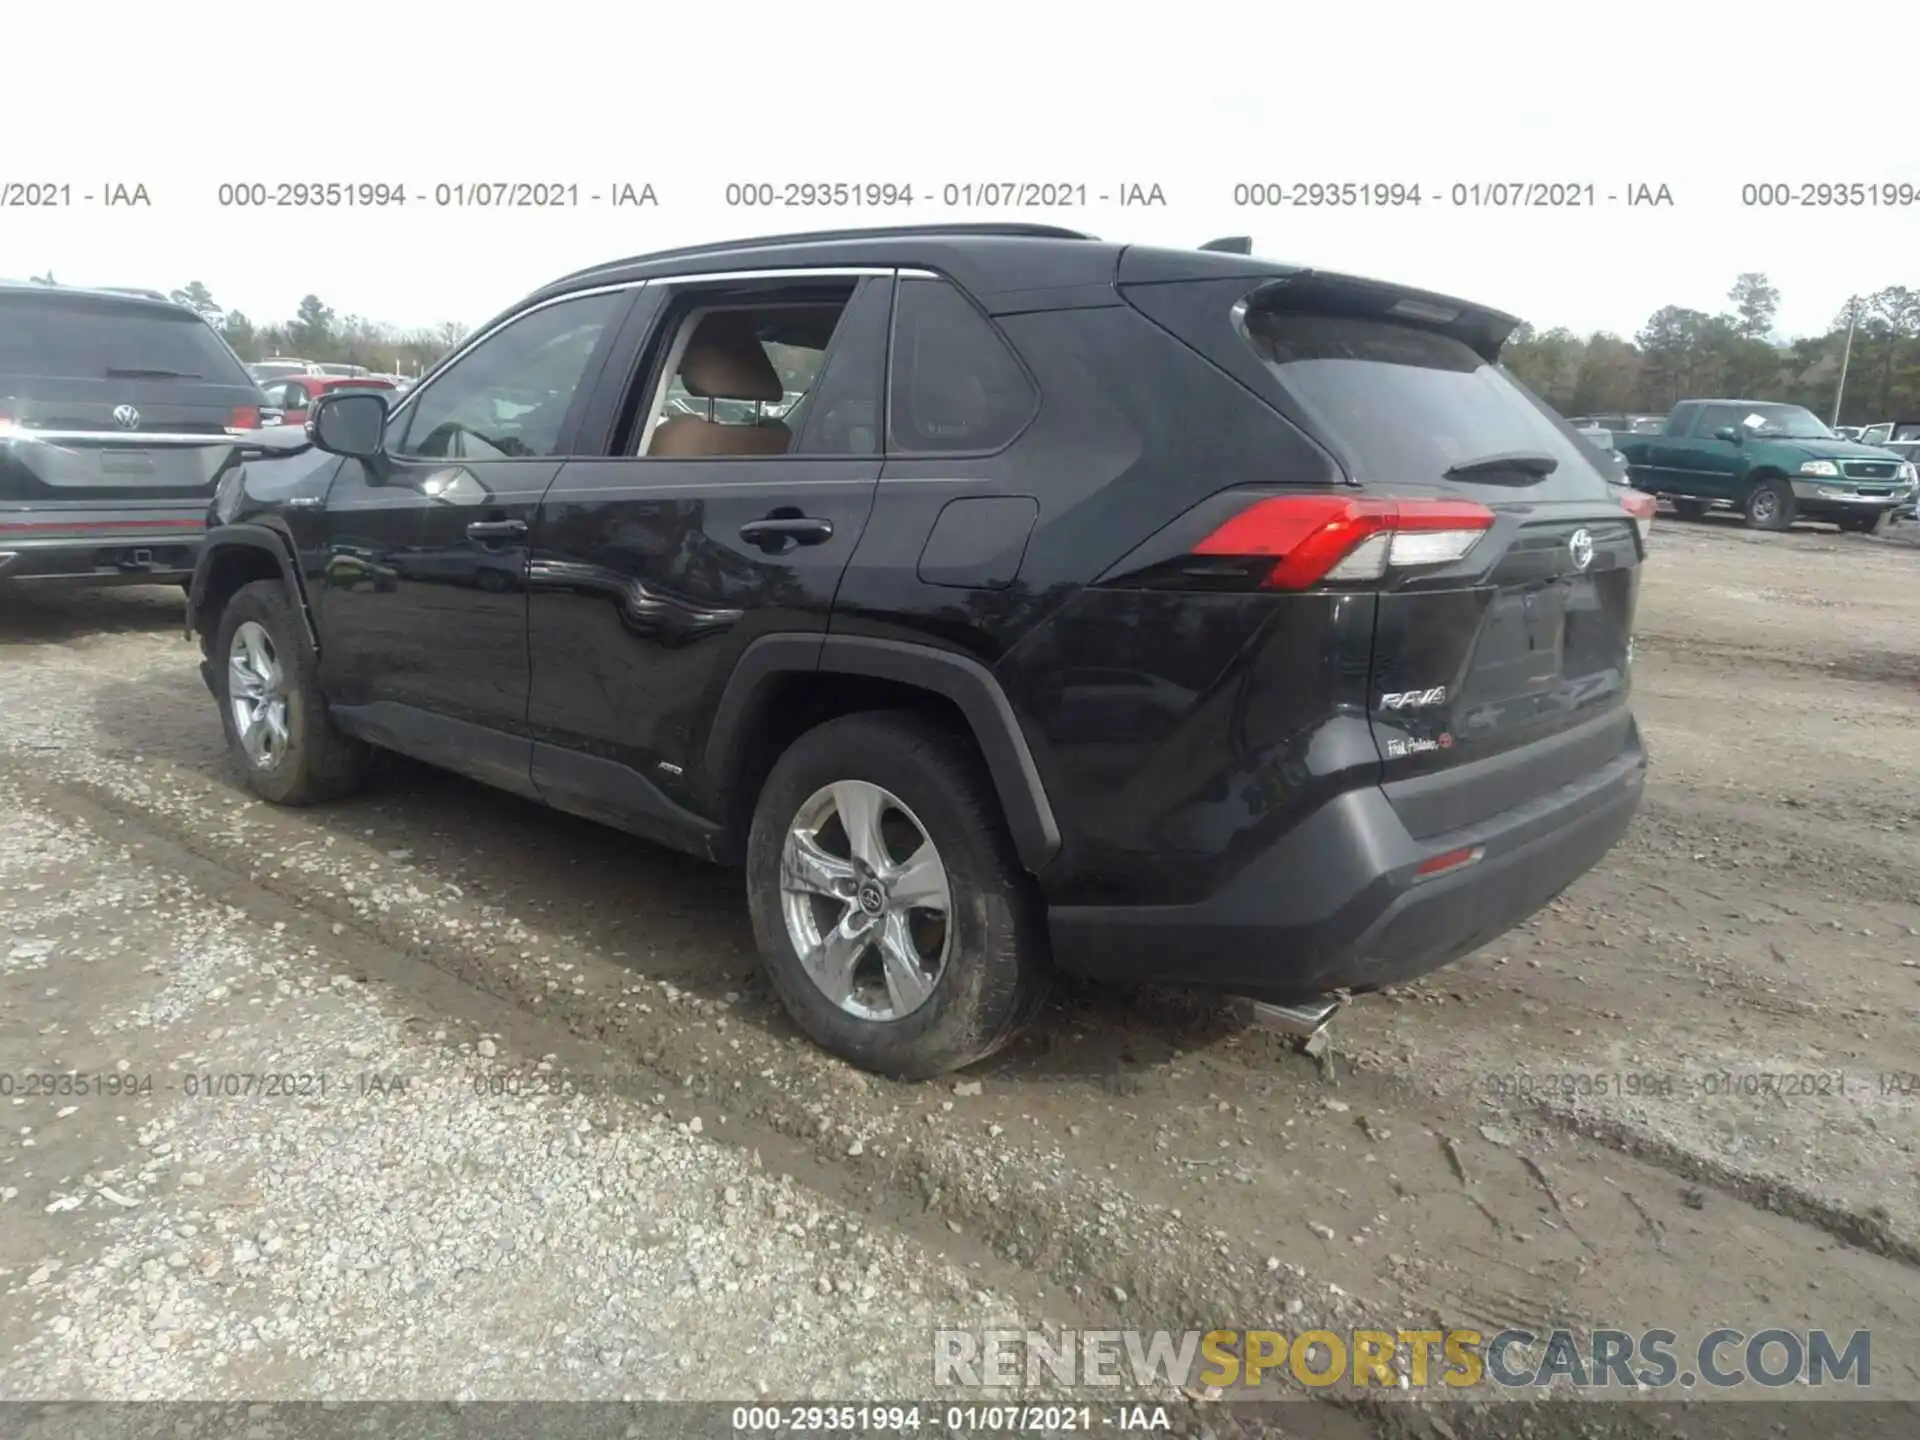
[[1485, 194], [478, 194]]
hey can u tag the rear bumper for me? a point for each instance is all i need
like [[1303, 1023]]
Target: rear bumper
[[1340, 903], [145, 552]]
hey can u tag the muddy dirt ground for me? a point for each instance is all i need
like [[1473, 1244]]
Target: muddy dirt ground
[[1684, 1096]]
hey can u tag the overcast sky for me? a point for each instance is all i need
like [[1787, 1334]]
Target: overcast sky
[[1194, 98]]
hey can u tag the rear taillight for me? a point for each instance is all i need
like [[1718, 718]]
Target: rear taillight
[[244, 417], [1642, 507], [1326, 539]]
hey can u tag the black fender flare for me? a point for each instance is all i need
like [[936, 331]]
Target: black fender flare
[[253, 537], [968, 684]]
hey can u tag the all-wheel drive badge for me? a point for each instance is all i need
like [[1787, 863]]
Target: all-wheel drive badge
[[1580, 546], [125, 416]]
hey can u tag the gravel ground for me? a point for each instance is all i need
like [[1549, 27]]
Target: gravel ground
[[1682, 1096], [295, 1188]]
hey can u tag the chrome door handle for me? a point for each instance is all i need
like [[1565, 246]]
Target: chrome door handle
[[496, 529]]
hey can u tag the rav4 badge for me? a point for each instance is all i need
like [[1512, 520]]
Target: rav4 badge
[[1413, 699]]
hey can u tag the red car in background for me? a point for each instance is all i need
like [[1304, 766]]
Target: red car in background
[[295, 393]]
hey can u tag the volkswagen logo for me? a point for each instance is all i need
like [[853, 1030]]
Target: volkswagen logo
[[1580, 547], [126, 417]]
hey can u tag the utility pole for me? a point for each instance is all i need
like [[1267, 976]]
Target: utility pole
[[1846, 356]]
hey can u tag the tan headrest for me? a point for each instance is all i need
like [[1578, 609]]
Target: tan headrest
[[724, 361], [691, 437]]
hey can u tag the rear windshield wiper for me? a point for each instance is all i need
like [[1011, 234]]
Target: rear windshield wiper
[[1519, 462], [115, 372]]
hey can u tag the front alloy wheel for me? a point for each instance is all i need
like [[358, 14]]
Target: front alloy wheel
[[866, 900], [271, 705], [257, 694]]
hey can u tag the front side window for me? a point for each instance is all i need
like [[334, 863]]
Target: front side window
[[957, 388], [509, 397]]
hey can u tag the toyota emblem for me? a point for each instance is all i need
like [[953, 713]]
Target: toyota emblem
[[1580, 546], [126, 417]]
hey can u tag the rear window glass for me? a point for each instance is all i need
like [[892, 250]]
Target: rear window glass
[[957, 388], [77, 340], [1403, 403]]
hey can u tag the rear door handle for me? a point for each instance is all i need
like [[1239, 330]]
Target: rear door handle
[[787, 530], [496, 529]]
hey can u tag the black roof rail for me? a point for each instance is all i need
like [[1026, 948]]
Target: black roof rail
[[1231, 245], [958, 229]]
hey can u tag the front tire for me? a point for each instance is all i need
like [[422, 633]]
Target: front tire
[[1770, 506], [1690, 509], [1864, 524], [892, 916], [271, 707]]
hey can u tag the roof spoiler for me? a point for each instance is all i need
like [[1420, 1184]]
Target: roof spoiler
[[1231, 245], [1482, 329]]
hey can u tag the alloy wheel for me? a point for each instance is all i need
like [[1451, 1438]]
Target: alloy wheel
[[257, 696], [866, 900]]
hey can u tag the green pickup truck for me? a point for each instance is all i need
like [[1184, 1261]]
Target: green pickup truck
[[1773, 463]]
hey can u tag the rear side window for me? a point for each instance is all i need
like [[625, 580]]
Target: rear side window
[[76, 339], [1402, 403], [956, 387]]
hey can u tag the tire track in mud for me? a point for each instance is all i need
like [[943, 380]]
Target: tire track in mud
[[1869, 667]]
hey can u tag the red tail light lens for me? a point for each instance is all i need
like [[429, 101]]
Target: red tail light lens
[[244, 417], [1642, 507], [1316, 539]]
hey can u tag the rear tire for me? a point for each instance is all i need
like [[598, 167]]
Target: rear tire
[[1690, 509], [974, 979], [289, 752], [1770, 506]]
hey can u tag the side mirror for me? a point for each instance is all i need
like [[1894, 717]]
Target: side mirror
[[1729, 433], [351, 423]]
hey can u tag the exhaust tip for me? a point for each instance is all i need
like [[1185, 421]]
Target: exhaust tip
[[1303, 1020]]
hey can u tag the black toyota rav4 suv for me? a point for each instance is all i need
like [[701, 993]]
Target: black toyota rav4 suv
[[1002, 600]]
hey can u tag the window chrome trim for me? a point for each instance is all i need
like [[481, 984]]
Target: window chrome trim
[[473, 342], [804, 272]]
